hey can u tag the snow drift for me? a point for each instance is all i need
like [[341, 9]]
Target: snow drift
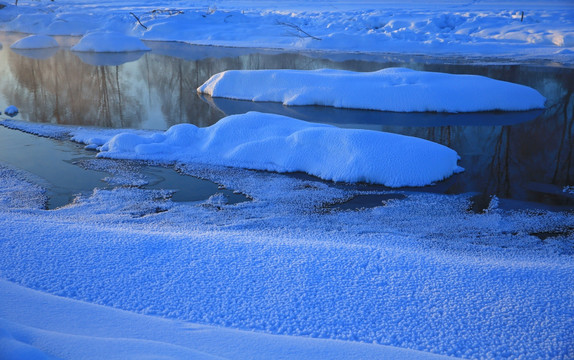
[[278, 143], [35, 42], [391, 89], [109, 41], [27, 333]]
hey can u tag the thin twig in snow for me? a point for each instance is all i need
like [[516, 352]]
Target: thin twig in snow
[[138, 19], [298, 29]]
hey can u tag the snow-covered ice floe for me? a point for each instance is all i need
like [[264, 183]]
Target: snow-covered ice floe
[[109, 41], [391, 89], [282, 144], [35, 42]]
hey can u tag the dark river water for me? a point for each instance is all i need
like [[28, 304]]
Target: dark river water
[[525, 156]]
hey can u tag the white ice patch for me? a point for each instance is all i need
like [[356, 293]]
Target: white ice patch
[[282, 144], [109, 41], [392, 89], [35, 42]]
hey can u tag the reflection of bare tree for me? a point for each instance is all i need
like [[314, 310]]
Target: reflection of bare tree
[[564, 156], [499, 180], [173, 81], [172, 85], [499, 160], [440, 134], [64, 90]]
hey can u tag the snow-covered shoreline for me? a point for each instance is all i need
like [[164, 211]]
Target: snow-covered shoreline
[[477, 29]]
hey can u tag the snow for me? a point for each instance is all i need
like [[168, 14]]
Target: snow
[[109, 41], [11, 111], [282, 144], [276, 143], [62, 326], [419, 272], [455, 28], [127, 272], [391, 89], [35, 42]]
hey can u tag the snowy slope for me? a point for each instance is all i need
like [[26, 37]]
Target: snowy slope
[[37, 326]]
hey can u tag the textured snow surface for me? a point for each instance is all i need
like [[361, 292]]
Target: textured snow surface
[[420, 273], [109, 41], [18, 191], [278, 143], [391, 89], [35, 42], [509, 29]]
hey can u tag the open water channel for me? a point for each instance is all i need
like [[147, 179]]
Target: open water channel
[[526, 158]]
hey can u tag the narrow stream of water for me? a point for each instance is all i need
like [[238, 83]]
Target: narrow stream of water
[[57, 164]]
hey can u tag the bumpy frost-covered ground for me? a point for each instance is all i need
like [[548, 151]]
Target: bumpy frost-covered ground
[[418, 272], [127, 272], [531, 29]]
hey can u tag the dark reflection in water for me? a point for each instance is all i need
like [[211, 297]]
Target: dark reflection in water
[[525, 156], [39, 54], [64, 90], [374, 119], [107, 59]]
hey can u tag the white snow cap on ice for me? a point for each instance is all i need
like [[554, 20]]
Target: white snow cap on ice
[[109, 41], [35, 42], [11, 111], [391, 89], [278, 143]]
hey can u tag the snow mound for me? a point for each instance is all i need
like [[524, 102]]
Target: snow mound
[[109, 41], [391, 89], [282, 144], [35, 42], [11, 111]]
